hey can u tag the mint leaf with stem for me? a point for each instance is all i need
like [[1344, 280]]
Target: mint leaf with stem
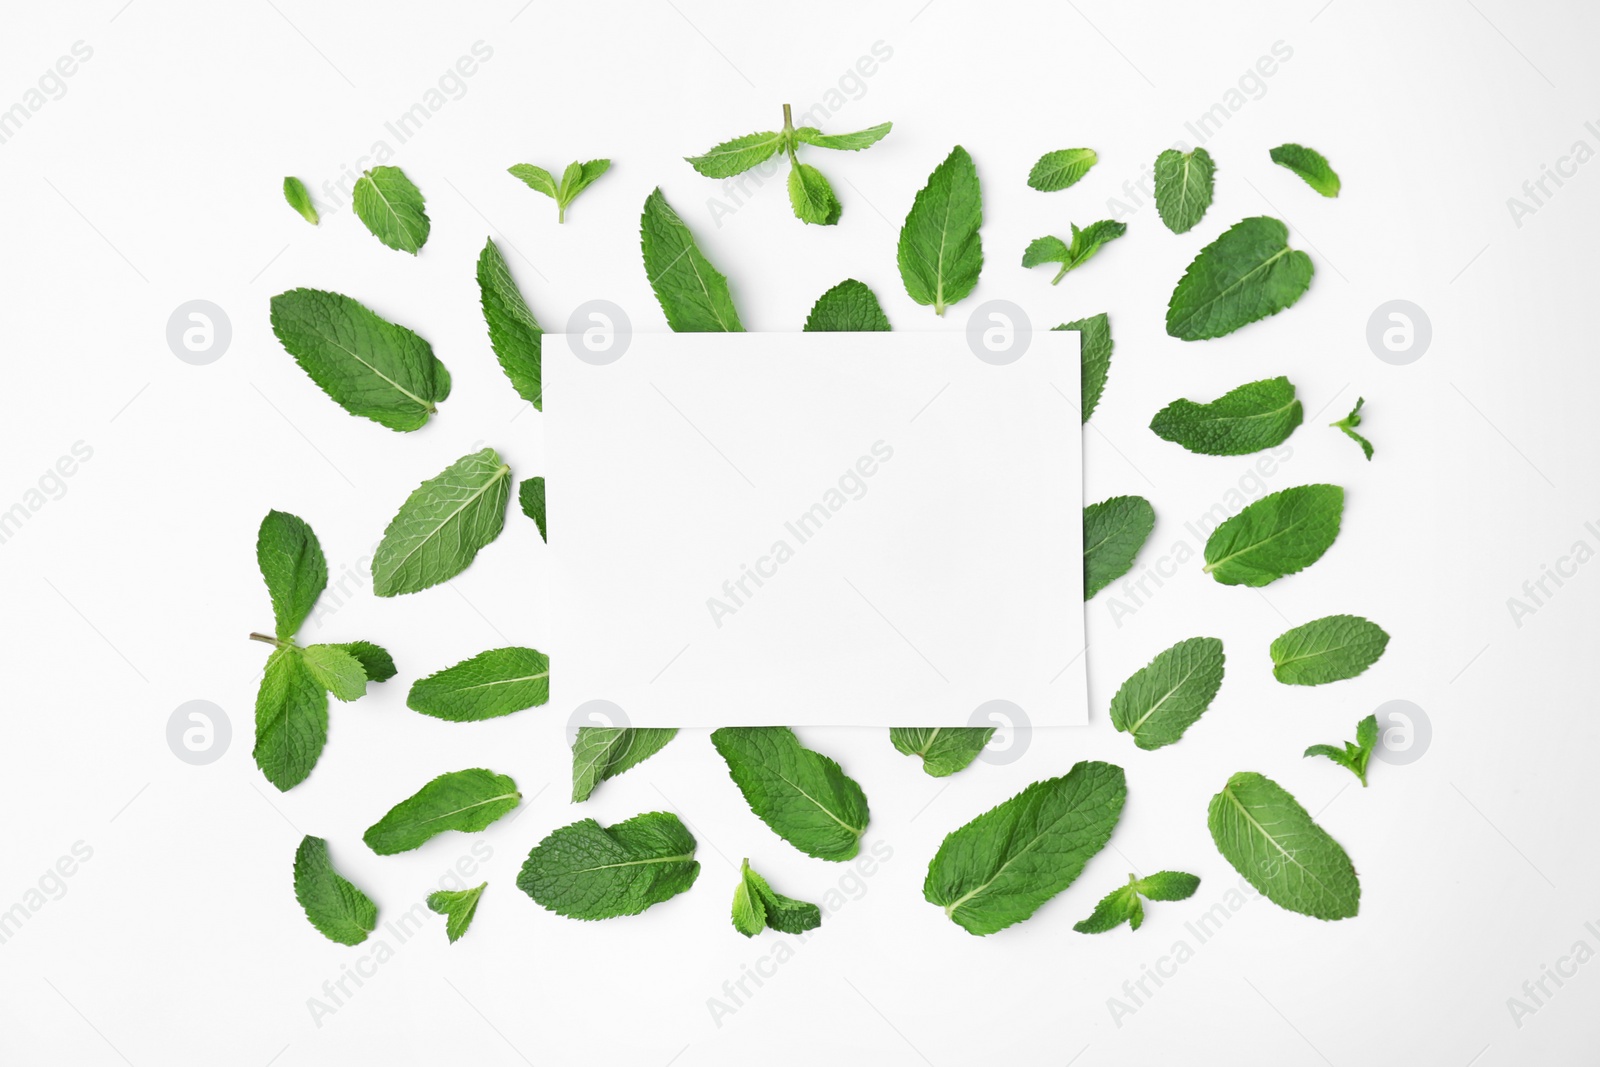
[[574, 180], [294, 191], [940, 252], [1122, 905], [1348, 425], [1354, 756], [1085, 243], [458, 907]]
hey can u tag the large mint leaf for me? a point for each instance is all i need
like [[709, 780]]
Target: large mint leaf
[[367, 364], [1002, 866], [1279, 849], [1113, 532], [692, 293], [293, 567], [458, 907], [487, 686], [1164, 698], [943, 750], [589, 871], [1277, 535], [1248, 273], [1247, 419], [848, 306], [1309, 164], [442, 525], [802, 795], [1095, 355], [940, 252], [392, 208], [291, 719], [467, 801], [1059, 169], [338, 910], [514, 333], [1329, 649], [603, 752], [1183, 187]]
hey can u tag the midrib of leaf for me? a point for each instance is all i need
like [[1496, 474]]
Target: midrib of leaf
[[820, 806], [1313, 655], [1183, 190], [501, 681], [1209, 567], [428, 404], [704, 289], [469, 807], [1269, 261], [632, 863], [928, 744], [1273, 841], [776, 138], [398, 221], [1260, 415], [602, 752], [1133, 730], [504, 471]]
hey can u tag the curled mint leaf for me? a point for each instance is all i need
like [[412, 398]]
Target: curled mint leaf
[[1309, 164], [1348, 426], [756, 907], [294, 191], [458, 907], [1354, 755], [340, 912], [1246, 419]]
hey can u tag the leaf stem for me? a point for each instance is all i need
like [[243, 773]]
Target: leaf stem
[[268, 640]]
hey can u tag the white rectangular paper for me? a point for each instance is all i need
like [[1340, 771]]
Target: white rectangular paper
[[873, 529]]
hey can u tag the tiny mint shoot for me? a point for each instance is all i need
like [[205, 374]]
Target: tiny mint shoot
[[574, 180], [1355, 755], [1348, 425]]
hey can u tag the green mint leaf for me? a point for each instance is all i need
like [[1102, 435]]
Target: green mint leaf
[[943, 750], [291, 719], [691, 292], [1246, 419], [1057, 170], [514, 333], [1002, 866], [1119, 906], [458, 907], [376, 663], [491, 684], [589, 871], [1248, 273], [1329, 649], [577, 178], [442, 525], [940, 252], [467, 801], [802, 795], [848, 307], [1309, 164], [338, 910], [367, 364], [1165, 697], [392, 209], [1113, 532], [1183, 187], [1167, 885], [294, 191], [1085, 243], [600, 753], [844, 142], [1095, 354], [1279, 534], [530, 494], [1279, 849], [1350, 422], [336, 670], [811, 196], [294, 568], [536, 178], [756, 906], [738, 155], [1355, 755]]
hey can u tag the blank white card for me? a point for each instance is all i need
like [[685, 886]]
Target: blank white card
[[876, 529]]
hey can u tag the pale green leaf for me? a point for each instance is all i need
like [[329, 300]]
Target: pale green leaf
[[738, 155], [1348, 425], [1057, 170], [335, 669], [458, 907], [291, 719], [943, 750], [812, 197], [442, 525], [1309, 164], [392, 208], [846, 142], [294, 191], [691, 292]]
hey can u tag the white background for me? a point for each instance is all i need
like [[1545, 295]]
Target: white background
[[155, 180]]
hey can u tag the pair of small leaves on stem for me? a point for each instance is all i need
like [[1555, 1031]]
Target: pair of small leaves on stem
[[1354, 755], [810, 194], [574, 180], [1085, 243], [1123, 904], [292, 702], [756, 906]]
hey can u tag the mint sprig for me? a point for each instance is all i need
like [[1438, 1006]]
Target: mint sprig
[[574, 180], [1355, 755]]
